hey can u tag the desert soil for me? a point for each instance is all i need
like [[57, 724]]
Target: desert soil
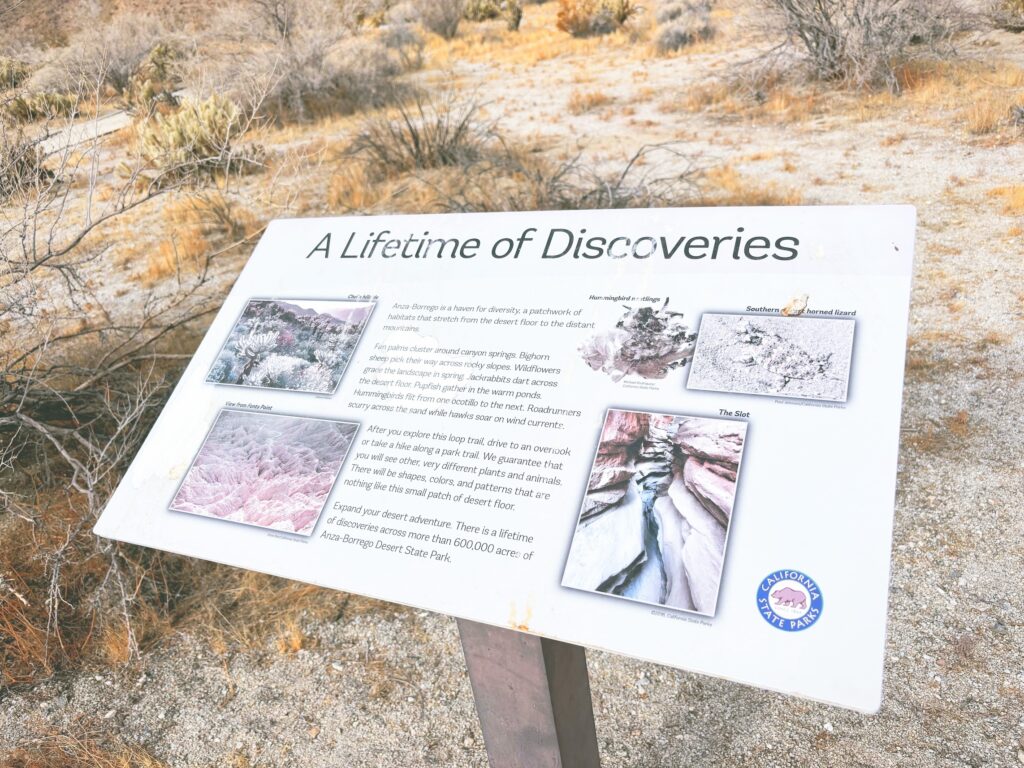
[[388, 687]]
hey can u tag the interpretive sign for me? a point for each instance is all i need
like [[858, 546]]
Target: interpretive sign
[[667, 433]]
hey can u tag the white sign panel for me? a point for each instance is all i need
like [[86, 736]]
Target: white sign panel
[[667, 433]]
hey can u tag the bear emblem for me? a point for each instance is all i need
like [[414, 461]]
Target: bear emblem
[[791, 598]]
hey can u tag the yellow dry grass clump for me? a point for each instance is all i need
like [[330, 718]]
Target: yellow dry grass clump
[[979, 97], [587, 101], [727, 186], [537, 40], [81, 748], [195, 226], [1012, 197]]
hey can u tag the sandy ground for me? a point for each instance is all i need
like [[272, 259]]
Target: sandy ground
[[389, 687]]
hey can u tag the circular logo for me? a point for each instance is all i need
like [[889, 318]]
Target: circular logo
[[789, 600]]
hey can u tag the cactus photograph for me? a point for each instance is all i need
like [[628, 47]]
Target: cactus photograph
[[303, 346]]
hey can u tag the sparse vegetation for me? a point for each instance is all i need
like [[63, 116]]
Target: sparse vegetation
[[682, 23], [441, 17], [116, 251], [863, 43], [199, 139], [517, 180], [1007, 14], [586, 101], [424, 134], [47, 105], [83, 748], [585, 18], [12, 72], [21, 163]]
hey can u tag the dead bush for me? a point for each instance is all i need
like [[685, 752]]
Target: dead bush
[[311, 60], [405, 43], [517, 180], [423, 134], [864, 43], [682, 23], [110, 54], [1007, 14], [21, 163], [441, 17], [198, 140], [585, 18]]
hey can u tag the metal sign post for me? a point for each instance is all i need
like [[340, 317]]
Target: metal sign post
[[533, 698]]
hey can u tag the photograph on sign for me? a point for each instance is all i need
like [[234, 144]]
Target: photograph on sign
[[800, 357], [657, 511], [266, 470], [645, 341], [646, 453], [294, 344]]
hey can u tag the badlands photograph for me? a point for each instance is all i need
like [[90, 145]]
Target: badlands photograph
[[265, 469]]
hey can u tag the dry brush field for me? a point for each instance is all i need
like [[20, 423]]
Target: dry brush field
[[144, 148]]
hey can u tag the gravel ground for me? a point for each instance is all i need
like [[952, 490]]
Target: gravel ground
[[389, 687]]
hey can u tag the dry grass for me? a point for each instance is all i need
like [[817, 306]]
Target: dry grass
[[727, 186], [978, 96], [1012, 197], [538, 40], [975, 97], [959, 424], [83, 748], [588, 101], [194, 226], [50, 624]]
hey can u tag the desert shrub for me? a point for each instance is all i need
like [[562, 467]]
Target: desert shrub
[[682, 23], [481, 10], [154, 81], [361, 75], [12, 73], [1007, 14], [21, 163], [405, 43], [584, 18], [316, 60], [864, 43], [515, 180], [441, 17], [512, 10], [46, 105], [110, 54], [199, 139], [423, 134], [484, 10]]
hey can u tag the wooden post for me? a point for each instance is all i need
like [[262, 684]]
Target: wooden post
[[533, 698]]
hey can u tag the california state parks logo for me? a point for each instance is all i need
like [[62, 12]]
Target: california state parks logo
[[789, 600]]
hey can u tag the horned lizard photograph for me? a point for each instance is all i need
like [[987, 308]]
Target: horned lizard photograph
[[799, 357]]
